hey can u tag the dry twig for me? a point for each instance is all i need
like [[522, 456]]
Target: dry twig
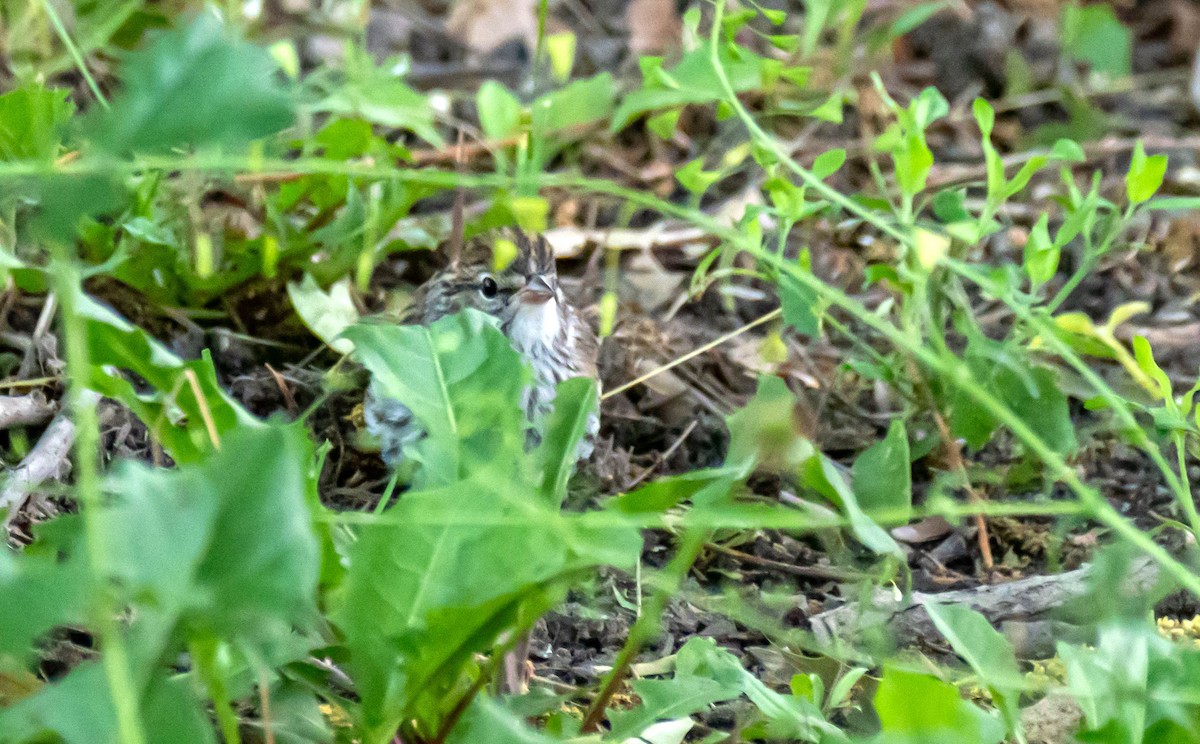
[[47, 460]]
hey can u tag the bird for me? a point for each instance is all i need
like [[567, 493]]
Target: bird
[[549, 333]]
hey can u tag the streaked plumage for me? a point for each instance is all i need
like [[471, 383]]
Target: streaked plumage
[[534, 314]]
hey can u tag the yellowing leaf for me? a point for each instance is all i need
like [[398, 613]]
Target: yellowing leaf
[[931, 248]]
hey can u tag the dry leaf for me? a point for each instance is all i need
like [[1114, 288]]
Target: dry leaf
[[654, 26], [485, 25], [930, 528]]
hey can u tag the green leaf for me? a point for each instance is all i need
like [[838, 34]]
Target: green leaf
[[802, 307], [985, 116], [377, 95], [776, 17], [64, 199], [1144, 356], [1041, 253], [438, 580], [695, 179], [499, 110], [691, 81], [487, 720], [31, 121], [913, 160], [663, 125], [882, 474], [988, 653], [50, 589], [229, 541], [176, 411], [828, 163], [826, 477], [1030, 391], [764, 433], [327, 314], [445, 374], [576, 105], [1022, 177], [916, 708], [1092, 34], [1173, 203], [575, 405], [560, 48], [1069, 150], [194, 87], [1145, 175], [830, 109]]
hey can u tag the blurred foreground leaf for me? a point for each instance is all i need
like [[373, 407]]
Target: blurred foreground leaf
[[194, 86]]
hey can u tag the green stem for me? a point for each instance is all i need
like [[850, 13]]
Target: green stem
[[647, 626], [949, 366], [73, 50], [1186, 501], [1090, 260], [204, 656], [114, 655]]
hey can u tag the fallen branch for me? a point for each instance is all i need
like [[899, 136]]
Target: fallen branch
[[25, 410], [47, 460], [1022, 600]]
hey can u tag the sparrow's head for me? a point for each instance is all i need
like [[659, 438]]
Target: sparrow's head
[[520, 289]]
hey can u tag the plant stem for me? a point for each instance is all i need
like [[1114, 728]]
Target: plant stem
[[648, 623], [73, 50], [114, 655]]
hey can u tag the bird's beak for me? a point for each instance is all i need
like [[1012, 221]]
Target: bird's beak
[[539, 290]]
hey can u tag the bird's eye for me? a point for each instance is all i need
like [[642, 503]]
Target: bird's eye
[[488, 287]]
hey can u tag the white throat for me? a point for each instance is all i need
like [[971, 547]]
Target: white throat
[[535, 325]]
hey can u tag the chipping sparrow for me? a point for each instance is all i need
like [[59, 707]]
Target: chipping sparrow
[[543, 327]]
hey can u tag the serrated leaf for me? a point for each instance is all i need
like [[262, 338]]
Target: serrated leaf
[[189, 420], [194, 86], [446, 373], [31, 122], [228, 542]]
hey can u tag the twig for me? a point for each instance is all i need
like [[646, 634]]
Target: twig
[[954, 453], [25, 410], [205, 413], [693, 353], [44, 462], [457, 226], [264, 704], [1024, 599], [288, 399], [679, 440], [39, 331], [808, 572]]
